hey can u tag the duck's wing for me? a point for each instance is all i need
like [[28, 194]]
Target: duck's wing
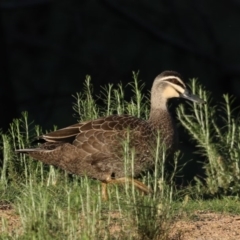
[[96, 149], [100, 128]]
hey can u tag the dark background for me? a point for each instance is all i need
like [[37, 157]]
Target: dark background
[[48, 47]]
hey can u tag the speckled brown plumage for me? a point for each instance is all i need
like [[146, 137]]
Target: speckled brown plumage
[[96, 148]]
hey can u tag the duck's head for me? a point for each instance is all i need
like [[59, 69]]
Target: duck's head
[[169, 84]]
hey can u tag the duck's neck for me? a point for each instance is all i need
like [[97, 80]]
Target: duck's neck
[[160, 118], [159, 111], [158, 104]]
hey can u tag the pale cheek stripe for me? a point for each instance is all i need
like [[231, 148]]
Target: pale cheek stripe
[[171, 77], [177, 88]]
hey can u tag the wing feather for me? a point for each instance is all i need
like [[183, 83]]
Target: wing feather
[[91, 135]]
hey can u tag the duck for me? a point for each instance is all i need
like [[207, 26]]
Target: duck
[[95, 148]]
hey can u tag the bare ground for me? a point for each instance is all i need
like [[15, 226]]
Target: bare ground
[[207, 226], [9, 221], [201, 225]]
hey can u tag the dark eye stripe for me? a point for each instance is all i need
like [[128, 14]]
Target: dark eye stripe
[[175, 81]]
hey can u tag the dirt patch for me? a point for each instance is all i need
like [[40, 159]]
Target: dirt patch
[[207, 226], [10, 223], [201, 226]]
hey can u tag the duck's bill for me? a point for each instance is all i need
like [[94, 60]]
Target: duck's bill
[[192, 97]]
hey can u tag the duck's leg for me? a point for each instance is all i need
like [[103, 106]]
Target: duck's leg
[[104, 191], [139, 185]]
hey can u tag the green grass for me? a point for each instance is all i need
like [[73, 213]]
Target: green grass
[[220, 205], [51, 204]]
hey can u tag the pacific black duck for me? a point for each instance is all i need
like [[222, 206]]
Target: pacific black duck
[[95, 148]]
